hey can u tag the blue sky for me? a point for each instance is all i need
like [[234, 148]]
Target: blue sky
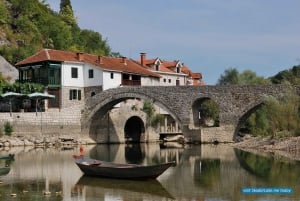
[[209, 36]]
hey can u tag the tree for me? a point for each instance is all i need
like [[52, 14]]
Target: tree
[[229, 77], [64, 4], [275, 116], [4, 14], [291, 76], [28, 26], [248, 77], [232, 76], [92, 42], [209, 111], [66, 12]]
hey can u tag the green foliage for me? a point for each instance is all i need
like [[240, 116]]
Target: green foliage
[[209, 110], [31, 25], [152, 118], [291, 76], [156, 120], [258, 123], [66, 12], [229, 77], [8, 129], [2, 79], [248, 77], [116, 54], [233, 77], [4, 14], [277, 117], [92, 42], [24, 88], [283, 115], [148, 108]]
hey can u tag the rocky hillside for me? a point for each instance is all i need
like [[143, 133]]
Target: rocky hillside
[[28, 26], [9, 72]]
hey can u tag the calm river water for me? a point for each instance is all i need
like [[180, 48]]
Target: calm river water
[[203, 172]]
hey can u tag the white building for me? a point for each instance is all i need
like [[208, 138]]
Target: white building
[[173, 73], [72, 77]]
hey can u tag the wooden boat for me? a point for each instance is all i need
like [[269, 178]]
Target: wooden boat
[[4, 170], [123, 186], [7, 157], [92, 167]]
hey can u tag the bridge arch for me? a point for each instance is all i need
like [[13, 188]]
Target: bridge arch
[[103, 104], [134, 128], [235, 104], [244, 116]]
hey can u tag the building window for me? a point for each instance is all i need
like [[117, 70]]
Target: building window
[[74, 72], [75, 94], [51, 72], [178, 70], [111, 75], [169, 80], [165, 80], [91, 73]]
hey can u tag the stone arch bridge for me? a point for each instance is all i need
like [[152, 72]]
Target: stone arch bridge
[[235, 103]]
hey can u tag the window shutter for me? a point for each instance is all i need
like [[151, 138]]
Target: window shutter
[[70, 94], [79, 94]]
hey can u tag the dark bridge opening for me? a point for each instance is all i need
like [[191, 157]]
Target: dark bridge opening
[[134, 127]]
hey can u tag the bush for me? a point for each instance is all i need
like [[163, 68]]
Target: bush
[[158, 118], [8, 129]]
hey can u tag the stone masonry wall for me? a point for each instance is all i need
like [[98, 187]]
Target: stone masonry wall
[[66, 102], [54, 122], [111, 126], [75, 118], [234, 102]]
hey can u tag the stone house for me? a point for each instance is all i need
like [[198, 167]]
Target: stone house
[[173, 73], [72, 77]]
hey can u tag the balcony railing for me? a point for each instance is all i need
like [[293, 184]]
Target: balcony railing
[[50, 81], [131, 82]]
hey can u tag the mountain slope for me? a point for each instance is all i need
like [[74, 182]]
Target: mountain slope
[[9, 72]]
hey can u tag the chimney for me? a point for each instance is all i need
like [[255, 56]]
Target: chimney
[[100, 59], [143, 58], [124, 61], [80, 56]]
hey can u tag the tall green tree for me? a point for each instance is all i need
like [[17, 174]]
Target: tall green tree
[[66, 12], [248, 77], [229, 77], [232, 76], [28, 26], [275, 116], [291, 76]]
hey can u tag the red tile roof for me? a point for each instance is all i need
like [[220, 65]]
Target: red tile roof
[[107, 63], [186, 70], [196, 75], [169, 66]]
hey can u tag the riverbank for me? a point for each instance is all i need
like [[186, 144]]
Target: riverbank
[[286, 147], [62, 141]]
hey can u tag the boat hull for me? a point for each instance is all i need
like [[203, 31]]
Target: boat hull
[[121, 171]]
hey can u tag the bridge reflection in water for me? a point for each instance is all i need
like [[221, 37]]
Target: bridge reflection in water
[[206, 172]]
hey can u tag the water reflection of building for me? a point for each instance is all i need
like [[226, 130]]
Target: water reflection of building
[[135, 153], [39, 171], [202, 172]]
